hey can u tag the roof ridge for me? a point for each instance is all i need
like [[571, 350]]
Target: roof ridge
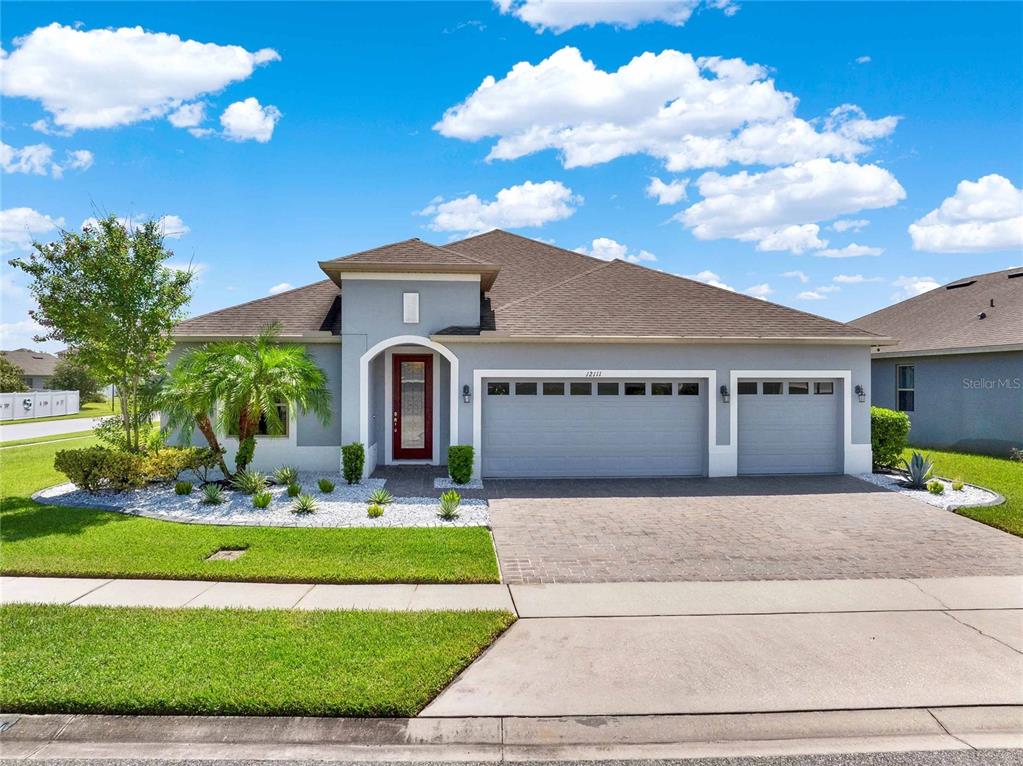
[[407, 240], [257, 300], [534, 242], [580, 275]]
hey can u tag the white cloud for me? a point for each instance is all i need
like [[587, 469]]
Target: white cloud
[[982, 216], [854, 279], [759, 291], [21, 334], [280, 288], [710, 278], [197, 270], [608, 249], [37, 159], [910, 287], [863, 59], [104, 78], [775, 208], [801, 276], [524, 205], [248, 120], [561, 15], [171, 226], [188, 115], [811, 295], [667, 193], [849, 251], [687, 112], [20, 225], [828, 289], [849, 224]]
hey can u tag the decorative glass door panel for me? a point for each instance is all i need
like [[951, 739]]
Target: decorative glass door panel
[[412, 411]]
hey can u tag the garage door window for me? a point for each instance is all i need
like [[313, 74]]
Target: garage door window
[[660, 389], [688, 389], [772, 387], [799, 388], [580, 389], [824, 387], [607, 389], [553, 389], [498, 389], [525, 389], [747, 387], [635, 389]]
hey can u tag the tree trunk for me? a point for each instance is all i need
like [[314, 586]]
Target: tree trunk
[[123, 398], [206, 427]]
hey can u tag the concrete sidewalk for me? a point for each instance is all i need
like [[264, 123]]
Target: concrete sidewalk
[[12, 430], [47, 737]]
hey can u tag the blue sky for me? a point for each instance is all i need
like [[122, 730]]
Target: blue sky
[[346, 144]]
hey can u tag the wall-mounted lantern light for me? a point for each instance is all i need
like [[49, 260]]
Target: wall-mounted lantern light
[[860, 393], [724, 394], [466, 393]]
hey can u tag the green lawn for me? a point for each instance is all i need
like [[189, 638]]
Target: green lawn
[[47, 540], [51, 438], [1000, 474], [90, 410], [65, 659]]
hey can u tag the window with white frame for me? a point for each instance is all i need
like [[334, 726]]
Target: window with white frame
[[410, 308]]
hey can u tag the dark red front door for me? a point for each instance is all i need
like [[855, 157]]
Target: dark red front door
[[412, 399]]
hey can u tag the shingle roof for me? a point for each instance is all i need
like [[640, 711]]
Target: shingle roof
[[619, 299], [32, 362], [948, 317], [312, 308], [411, 255]]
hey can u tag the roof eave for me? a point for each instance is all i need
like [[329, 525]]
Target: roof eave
[[498, 337], [906, 352], [311, 336], [337, 270]]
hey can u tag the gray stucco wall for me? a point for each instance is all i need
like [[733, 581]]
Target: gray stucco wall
[[722, 358], [971, 402]]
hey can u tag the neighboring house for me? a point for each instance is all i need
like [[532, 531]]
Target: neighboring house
[[38, 366], [957, 368], [552, 363]]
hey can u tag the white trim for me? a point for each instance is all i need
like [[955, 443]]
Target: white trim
[[404, 340], [713, 459], [853, 460], [947, 351], [389, 408], [408, 275], [489, 336]]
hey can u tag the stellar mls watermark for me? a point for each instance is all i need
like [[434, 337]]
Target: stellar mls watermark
[[992, 384]]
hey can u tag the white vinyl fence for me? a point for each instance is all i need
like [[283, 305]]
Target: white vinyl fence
[[38, 404]]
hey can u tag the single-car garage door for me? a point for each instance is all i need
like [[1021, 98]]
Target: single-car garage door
[[579, 428], [790, 426]]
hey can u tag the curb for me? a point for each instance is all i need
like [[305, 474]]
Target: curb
[[31, 737]]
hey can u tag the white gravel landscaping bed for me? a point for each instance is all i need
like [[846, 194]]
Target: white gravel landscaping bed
[[344, 507], [446, 482], [969, 495]]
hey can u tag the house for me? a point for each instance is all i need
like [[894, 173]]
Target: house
[[38, 366], [551, 363], [957, 367]]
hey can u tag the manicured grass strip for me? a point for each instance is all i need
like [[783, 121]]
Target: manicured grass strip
[[90, 410], [1000, 474], [47, 439], [74, 542], [65, 659]]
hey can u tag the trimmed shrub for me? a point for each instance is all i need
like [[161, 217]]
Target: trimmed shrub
[[183, 488], [353, 461], [449, 503], [94, 468], [957, 485], [169, 463], [375, 511], [381, 497], [261, 499], [294, 489], [326, 486], [889, 436], [936, 487], [460, 463]]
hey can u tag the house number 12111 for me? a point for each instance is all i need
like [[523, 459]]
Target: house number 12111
[[594, 373]]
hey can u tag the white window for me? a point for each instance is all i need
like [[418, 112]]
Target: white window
[[410, 307]]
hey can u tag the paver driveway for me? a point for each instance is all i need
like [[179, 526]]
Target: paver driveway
[[776, 528]]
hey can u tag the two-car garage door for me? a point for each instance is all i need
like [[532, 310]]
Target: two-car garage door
[[579, 428]]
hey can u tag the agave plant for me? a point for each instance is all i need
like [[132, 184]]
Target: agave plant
[[294, 489], [285, 475], [212, 494], [304, 504], [249, 482], [326, 486], [261, 499], [918, 470], [449, 502], [381, 497]]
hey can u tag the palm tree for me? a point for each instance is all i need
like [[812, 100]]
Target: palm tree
[[255, 377], [189, 397]]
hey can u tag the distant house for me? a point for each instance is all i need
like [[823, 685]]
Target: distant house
[[38, 366], [957, 365]]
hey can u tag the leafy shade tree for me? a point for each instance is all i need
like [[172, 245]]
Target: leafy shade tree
[[11, 377], [189, 397], [108, 293], [71, 374], [257, 376]]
